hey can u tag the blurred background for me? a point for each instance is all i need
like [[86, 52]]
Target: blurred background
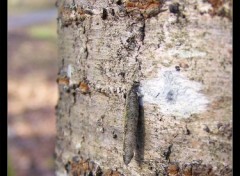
[[32, 88]]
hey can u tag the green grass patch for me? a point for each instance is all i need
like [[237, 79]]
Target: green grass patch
[[44, 32], [10, 171]]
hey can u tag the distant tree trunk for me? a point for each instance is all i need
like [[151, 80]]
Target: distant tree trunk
[[181, 54]]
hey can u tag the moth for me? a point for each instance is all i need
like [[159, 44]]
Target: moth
[[130, 123]]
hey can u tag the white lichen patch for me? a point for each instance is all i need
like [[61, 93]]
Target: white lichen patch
[[69, 71], [174, 94], [71, 74], [78, 146], [59, 173]]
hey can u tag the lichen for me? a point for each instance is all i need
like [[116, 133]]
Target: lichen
[[174, 93]]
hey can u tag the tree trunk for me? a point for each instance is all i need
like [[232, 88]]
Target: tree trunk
[[178, 55]]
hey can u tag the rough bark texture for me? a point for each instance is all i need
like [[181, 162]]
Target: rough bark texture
[[180, 52]]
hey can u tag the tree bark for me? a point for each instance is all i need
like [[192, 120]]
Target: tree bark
[[180, 53]]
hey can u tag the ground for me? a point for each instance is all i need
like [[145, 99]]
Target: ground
[[32, 96]]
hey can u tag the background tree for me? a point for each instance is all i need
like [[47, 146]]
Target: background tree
[[181, 54]]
